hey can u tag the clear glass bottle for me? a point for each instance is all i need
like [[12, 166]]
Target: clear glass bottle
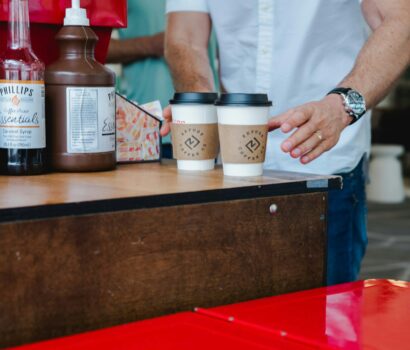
[[22, 99]]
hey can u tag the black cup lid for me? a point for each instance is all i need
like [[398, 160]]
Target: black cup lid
[[258, 100], [194, 98]]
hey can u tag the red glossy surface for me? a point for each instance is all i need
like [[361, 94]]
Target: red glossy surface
[[47, 17], [373, 314], [186, 331], [370, 315]]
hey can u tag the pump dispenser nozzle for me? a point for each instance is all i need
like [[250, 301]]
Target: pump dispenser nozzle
[[76, 16]]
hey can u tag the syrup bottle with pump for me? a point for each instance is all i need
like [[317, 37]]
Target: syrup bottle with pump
[[22, 108], [80, 101]]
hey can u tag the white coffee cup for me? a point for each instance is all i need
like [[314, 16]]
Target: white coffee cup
[[243, 128], [194, 130]]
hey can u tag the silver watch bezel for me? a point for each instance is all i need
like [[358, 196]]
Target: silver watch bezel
[[350, 99]]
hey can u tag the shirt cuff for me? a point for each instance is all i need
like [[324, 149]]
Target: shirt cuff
[[187, 6]]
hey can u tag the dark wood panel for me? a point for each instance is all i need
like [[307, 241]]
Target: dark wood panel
[[73, 274]]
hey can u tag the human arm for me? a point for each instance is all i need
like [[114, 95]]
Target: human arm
[[135, 49], [186, 51], [380, 63], [387, 52]]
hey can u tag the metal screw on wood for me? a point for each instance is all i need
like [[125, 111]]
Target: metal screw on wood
[[273, 209]]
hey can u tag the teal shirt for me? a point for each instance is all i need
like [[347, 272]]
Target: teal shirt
[[149, 79]]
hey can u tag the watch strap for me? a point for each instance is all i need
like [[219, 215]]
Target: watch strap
[[340, 90], [344, 91]]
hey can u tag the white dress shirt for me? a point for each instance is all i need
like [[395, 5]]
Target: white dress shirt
[[296, 51]]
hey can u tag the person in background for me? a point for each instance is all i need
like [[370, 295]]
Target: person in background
[[316, 63], [140, 49]]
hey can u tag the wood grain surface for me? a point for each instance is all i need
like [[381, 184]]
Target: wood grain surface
[[73, 274], [128, 181]]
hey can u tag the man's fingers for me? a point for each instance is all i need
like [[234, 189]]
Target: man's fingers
[[315, 153], [276, 122], [298, 137], [166, 126], [296, 119], [305, 147], [291, 119], [167, 114], [165, 129]]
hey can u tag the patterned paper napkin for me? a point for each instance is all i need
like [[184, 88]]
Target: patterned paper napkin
[[138, 138]]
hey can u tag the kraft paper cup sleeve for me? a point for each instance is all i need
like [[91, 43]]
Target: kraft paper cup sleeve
[[243, 144], [195, 141]]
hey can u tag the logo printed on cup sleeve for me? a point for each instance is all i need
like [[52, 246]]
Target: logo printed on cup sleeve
[[243, 144], [195, 141], [253, 145], [191, 141]]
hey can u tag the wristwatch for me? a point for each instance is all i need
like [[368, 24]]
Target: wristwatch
[[354, 102]]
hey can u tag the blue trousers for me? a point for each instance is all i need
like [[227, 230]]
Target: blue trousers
[[347, 228], [167, 151]]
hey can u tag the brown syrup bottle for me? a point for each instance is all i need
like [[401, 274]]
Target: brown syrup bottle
[[80, 101]]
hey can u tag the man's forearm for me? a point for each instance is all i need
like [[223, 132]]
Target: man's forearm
[[130, 50], [382, 60], [189, 67]]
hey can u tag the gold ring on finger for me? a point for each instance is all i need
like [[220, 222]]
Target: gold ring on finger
[[319, 135]]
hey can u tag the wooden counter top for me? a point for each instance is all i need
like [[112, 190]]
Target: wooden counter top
[[140, 186], [80, 252]]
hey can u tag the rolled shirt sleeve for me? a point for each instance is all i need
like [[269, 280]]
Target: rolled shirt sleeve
[[187, 6]]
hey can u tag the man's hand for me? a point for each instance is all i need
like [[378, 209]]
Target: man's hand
[[166, 126], [319, 125], [380, 63]]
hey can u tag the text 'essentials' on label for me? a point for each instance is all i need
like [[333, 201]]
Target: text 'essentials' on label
[[22, 115]]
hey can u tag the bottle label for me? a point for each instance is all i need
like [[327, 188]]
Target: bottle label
[[22, 114], [91, 120]]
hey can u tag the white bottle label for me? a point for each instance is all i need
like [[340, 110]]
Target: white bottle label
[[90, 120], [22, 115]]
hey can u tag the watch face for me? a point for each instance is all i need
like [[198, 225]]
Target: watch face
[[356, 102]]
